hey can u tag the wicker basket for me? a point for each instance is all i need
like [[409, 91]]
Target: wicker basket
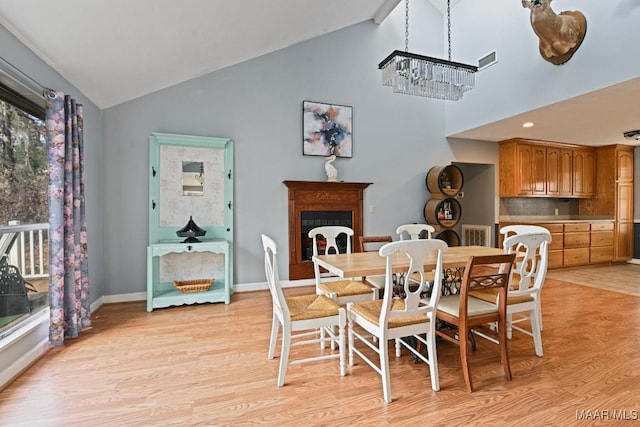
[[196, 285]]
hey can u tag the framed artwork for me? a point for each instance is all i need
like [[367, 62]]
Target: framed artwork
[[327, 129]]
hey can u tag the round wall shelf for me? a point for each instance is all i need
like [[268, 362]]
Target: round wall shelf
[[444, 213], [444, 181], [450, 236]]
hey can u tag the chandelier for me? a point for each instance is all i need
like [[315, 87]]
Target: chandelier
[[414, 74]]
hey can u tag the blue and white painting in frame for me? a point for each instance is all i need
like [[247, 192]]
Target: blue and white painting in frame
[[327, 129]]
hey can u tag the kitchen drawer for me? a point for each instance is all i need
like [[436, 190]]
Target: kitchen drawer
[[556, 241], [602, 226], [601, 238], [602, 254], [576, 240], [555, 259], [577, 226], [576, 256], [553, 228]]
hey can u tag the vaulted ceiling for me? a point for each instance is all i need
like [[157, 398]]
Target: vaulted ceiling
[[118, 50]]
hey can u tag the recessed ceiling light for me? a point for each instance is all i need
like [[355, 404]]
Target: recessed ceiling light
[[527, 124]]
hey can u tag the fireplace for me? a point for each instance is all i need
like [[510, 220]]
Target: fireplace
[[317, 203]]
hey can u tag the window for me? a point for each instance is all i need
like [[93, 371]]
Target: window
[[24, 245]]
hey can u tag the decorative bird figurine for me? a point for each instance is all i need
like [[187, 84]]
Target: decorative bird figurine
[[332, 172]]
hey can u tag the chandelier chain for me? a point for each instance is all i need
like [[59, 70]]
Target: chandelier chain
[[406, 26], [449, 26]]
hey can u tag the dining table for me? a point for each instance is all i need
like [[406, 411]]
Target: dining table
[[361, 264]]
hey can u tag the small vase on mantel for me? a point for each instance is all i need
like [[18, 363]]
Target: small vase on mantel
[[332, 172]]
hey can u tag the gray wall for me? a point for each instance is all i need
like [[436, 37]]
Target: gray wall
[[22, 58], [258, 104]]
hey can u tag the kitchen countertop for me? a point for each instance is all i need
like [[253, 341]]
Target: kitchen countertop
[[534, 219]]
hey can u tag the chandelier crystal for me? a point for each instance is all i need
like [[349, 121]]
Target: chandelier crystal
[[414, 74]]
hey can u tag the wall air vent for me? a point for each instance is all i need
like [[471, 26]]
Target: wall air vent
[[476, 235], [487, 60]]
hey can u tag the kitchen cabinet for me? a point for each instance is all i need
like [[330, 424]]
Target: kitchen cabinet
[[546, 169], [601, 246], [556, 247], [577, 242], [614, 195]]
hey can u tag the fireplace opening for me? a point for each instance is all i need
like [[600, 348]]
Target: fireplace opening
[[312, 219]]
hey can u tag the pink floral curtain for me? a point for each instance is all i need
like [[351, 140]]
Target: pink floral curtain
[[68, 262]]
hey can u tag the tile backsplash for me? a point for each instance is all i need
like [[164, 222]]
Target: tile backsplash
[[512, 206]]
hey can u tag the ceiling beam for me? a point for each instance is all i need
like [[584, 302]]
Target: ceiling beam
[[384, 10]]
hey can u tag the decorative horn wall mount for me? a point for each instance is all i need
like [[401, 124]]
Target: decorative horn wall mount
[[560, 34]]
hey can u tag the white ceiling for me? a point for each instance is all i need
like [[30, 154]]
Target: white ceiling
[[129, 48]]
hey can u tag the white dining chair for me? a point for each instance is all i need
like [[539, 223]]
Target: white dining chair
[[374, 323], [302, 318], [335, 240], [527, 279], [413, 231]]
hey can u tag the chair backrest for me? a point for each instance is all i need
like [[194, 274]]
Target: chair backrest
[[330, 234], [510, 230], [280, 307], [366, 242], [532, 260], [417, 251], [414, 231], [486, 272]]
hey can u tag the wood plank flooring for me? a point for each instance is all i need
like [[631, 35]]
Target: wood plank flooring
[[207, 365]]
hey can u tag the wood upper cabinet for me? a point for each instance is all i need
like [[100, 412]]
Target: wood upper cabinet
[[584, 173], [538, 168], [559, 167]]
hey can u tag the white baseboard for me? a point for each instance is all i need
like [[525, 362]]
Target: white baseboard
[[242, 287], [634, 261]]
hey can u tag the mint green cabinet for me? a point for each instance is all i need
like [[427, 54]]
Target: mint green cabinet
[[189, 177]]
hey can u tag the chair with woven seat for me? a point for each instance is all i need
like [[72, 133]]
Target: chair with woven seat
[[368, 244], [333, 240], [374, 323], [528, 276], [306, 315], [415, 231], [462, 312], [510, 230]]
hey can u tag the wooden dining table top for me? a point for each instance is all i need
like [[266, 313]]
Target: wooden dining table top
[[360, 264]]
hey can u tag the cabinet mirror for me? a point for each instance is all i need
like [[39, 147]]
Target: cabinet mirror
[[192, 178]]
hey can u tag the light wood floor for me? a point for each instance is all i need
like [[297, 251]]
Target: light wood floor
[[207, 365]]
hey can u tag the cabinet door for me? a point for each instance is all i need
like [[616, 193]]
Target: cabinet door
[[624, 241], [524, 176], [559, 172], [539, 175], [553, 171], [624, 165], [532, 160], [584, 173], [624, 222]]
